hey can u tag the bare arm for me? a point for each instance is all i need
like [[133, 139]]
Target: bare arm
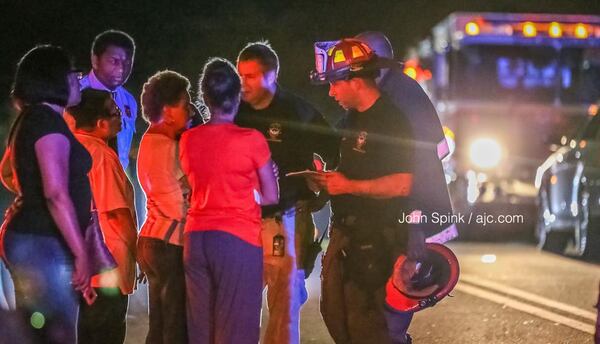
[[7, 176], [52, 152], [269, 188], [393, 185]]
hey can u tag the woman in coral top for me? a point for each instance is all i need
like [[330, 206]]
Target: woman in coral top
[[166, 106], [231, 175]]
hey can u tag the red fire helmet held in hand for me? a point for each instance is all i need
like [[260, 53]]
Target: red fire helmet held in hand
[[415, 285]]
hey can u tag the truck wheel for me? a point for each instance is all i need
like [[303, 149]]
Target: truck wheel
[[592, 247], [542, 205], [554, 242], [547, 240]]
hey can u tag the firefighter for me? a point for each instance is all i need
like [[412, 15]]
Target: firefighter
[[369, 194], [430, 191]]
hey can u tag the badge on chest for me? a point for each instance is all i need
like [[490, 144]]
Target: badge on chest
[[128, 111], [360, 143], [274, 132]]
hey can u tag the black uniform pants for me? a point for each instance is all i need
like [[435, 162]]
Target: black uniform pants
[[351, 313]]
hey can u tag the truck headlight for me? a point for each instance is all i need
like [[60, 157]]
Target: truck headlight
[[485, 153]]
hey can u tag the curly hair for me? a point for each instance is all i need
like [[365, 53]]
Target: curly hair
[[163, 88]]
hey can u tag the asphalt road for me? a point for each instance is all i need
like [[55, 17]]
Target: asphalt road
[[508, 293]]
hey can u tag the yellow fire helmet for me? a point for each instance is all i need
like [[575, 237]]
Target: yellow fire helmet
[[342, 60]]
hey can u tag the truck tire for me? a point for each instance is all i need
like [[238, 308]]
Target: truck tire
[[554, 242], [592, 247]]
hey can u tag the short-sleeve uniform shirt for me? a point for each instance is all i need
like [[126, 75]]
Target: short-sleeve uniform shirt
[[430, 191], [294, 130], [375, 143]]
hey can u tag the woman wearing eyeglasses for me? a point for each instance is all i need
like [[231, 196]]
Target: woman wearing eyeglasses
[[43, 231], [166, 106], [97, 120]]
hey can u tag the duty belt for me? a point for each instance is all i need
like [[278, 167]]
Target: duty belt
[[278, 215], [354, 221], [346, 221]]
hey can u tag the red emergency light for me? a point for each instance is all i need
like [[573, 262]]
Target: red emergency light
[[412, 69], [555, 29]]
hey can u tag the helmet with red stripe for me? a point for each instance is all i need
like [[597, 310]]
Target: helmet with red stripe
[[415, 285]]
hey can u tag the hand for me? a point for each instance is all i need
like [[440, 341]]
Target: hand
[[81, 278], [82, 273], [90, 296], [335, 183], [415, 248]]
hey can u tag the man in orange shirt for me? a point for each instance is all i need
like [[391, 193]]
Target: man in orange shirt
[[98, 119]]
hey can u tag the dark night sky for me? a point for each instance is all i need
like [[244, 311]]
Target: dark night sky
[[181, 35]]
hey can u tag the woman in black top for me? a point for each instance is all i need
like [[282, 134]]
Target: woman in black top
[[43, 243]]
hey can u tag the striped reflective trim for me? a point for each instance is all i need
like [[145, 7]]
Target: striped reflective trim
[[444, 236], [339, 56], [443, 149]]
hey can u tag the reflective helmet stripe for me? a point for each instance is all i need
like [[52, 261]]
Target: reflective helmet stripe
[[443, 149]]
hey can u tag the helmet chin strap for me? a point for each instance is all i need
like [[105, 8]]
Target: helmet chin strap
[[428, 302]]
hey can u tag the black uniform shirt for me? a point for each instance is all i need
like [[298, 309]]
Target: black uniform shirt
[[294, 130], [429, 192], [375, 143]]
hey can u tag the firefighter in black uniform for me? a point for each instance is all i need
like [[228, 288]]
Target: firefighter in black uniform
[[369, 195]]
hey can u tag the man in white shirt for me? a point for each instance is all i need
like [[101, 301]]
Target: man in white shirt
[[112, 60]]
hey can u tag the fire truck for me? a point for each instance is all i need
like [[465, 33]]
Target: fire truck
[[507, 87]]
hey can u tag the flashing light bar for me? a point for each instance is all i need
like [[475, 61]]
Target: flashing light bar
[[555, 30], [411, 71], [414, 70], [532, 29], [529, 29], [581, 31], [472, 29]]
